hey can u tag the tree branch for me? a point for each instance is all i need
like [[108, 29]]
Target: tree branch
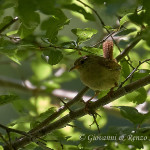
[[60, 110], [13, 130], [9, 24], [127, 49], [81, 112]]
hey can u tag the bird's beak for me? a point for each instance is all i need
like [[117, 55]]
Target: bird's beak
[[74, 67]]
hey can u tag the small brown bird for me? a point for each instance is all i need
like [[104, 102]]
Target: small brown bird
[[99, 73]]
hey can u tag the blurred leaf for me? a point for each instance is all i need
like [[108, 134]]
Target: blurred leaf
[[26, 11], [6, 4], [119, 146], [24, 31], [22, 120], [54, 23], [92, 50], [125, 19], [118, 7], [84, 34], [125, 68], [4, 99], [140, 74], [69, 44], [66, 76], [125, 32], [80, 10], [9, 49], [108, 27], [131, 114], [145, 35], [41, 70], [139, 96], [129, 135], [46, 114], [51, 85], [23, 106], [52, 56], [38, 148], [140, 18], [146, 5], [45, 6], [124, 130], [12, 32], [41, 117], [6, 21]]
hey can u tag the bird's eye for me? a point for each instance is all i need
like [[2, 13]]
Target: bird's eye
[[82, 61]]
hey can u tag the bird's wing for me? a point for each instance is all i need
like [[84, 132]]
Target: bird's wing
[[110, 64]]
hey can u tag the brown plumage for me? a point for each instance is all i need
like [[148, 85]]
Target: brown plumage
[[98, 73]]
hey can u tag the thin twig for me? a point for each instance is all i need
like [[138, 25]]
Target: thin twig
[[102, 22], [9, 24], [11, 38], [73, 126], [8, 133], [104, 39], [42, 145], [13, 130], [94, 117], [65, 104], [5, 141], [61, 48], [131, 74]]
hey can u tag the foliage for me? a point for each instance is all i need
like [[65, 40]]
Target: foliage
[[39, 46]]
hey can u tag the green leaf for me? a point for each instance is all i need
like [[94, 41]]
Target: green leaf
[[140, 74], [46, 114], [131, 114], [24, 32], [125, 68], [141, 17], [84, 34], [146, 5], [53, 24], [139, 96], [41, 70], [4, 99], [108, 27], [12, 32], [80, 10], [125, 19], [9, 49], [125, 32], [52, 56], [22, 106], [123, 130], [92, 50], [6, 21], [41, 117], [26, 11], [145, 35], [45, 6]]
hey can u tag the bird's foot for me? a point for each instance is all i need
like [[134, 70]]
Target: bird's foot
[[87, 103], [110, 93]]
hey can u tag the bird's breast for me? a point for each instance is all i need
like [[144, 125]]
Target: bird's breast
[[99, 78]]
